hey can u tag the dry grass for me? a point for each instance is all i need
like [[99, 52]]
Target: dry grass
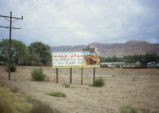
[[13, 102], [42, 108], [137, 87]]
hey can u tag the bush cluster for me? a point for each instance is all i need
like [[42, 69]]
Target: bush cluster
[[38, 75], [127, 109], [66, 85], [99, 82], [12, 68]]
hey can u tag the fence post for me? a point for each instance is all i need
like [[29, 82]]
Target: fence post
[[70, 75], [81, 76], [94, 71], [57, 79]]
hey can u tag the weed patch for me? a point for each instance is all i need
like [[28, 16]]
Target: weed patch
[[66, 85], [127, 109], [57, 94], [15, 89]]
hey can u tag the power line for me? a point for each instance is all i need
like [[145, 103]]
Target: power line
[[11, 18], [9, 27]]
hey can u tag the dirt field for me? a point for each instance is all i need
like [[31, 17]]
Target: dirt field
[[138, 88]]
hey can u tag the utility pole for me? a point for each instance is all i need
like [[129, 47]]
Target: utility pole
[[11, 18]]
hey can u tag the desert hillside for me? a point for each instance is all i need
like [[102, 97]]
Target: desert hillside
[[115, 49]]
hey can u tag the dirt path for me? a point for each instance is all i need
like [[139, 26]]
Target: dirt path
[[137, 88]]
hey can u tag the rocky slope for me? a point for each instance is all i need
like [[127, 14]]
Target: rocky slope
[[115, 49]]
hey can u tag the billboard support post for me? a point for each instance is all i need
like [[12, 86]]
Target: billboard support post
[[94, 71], [81, 76], [57, 79], [70, 75], [71, 60]]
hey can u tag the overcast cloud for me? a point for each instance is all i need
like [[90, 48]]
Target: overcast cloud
[[74, 22]]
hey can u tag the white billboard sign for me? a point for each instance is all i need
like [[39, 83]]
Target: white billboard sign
[[67, 58], [73, 59]]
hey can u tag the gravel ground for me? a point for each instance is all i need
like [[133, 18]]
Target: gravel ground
[[138, 88]]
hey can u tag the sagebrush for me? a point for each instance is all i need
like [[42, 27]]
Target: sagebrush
[[38, 75], [12, 68], [66, 85], [99, 82], [127, 109]]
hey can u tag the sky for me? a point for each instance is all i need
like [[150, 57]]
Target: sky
[[76, 22]]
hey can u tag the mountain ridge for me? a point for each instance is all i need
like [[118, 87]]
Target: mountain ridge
[[131, 47]]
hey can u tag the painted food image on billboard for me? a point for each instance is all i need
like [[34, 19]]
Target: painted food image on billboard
[[90, 56], [92, 59]]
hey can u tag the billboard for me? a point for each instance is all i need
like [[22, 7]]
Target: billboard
[[75, 60]]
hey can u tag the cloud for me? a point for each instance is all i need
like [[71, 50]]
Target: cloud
[[57, 22]]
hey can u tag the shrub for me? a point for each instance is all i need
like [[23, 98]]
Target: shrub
[[117, 66], [42, 108], [99, 82], [12, 68], [138, 64], [15, 89], [57, 94], [127, 109], [47, 78], [37, 75], [112, 67], [66, 85]]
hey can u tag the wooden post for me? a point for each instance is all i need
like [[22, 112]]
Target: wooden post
[[70, 75], [81, 76], [94, 71], [57, 79]]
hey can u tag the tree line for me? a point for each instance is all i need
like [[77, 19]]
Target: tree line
[[143, 59], [37, 53]]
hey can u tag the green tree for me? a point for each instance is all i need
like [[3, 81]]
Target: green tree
[[41, 52], [111, 59], [90, 49], [143, 59], [35, 59], [4, 50], [18, 51], [1, 58]]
